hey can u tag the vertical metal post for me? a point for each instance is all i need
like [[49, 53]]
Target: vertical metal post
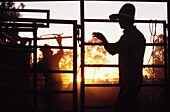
[[34, 71], [75, 66], [165, 62], [82, 98], [48, 17], [168, 75]]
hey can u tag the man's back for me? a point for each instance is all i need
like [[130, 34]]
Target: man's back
[[131, 53]]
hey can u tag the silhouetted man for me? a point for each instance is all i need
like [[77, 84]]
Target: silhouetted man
[[131, 48], [53, 81]]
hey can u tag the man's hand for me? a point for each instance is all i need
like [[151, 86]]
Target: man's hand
[[98, 35], [59, 39]]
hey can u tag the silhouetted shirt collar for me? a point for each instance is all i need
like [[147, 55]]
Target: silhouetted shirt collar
[[129, 29]]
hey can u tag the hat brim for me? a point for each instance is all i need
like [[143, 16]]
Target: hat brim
[[114, 16], [45, 49], [117, 16]]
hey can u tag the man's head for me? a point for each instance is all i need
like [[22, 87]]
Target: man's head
[[46, 50], [125, 16]]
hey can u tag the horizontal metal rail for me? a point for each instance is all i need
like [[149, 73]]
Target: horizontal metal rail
[[100, 107], [18, 29], [116, 65], [117, 0], [29, 48], [54, 92], [55, 21], [130, 0], [37, 71], [40, 92], [147, 44], [26, 10], [33, 22], [54, 71], [24, 25], [117, 85], [136, 21], [45, 24]]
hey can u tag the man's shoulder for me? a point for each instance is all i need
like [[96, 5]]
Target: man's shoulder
[[57, 54], [138, 33]]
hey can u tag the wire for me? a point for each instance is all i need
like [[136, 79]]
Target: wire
[[152, 38]]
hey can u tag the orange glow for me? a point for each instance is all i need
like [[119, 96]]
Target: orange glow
[[78, 78], [93, 55], [100, 74]]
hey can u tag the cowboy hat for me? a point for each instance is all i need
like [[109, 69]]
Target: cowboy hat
[[45, 48], [127, 10]]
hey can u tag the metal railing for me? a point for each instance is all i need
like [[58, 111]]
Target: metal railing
[[32, 25], [84, 86]]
